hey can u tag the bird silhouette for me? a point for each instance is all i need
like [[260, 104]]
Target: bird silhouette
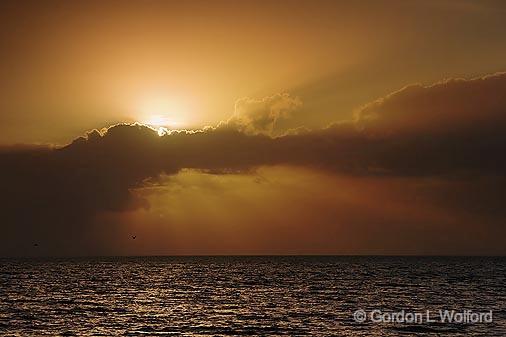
[[134, 237]]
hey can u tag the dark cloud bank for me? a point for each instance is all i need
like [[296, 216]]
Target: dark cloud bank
[[453, 130]]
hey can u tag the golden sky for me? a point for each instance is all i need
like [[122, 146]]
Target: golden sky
[[317, 127], [69, 66]]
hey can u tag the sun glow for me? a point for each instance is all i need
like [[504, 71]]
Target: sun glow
[[158, 120], [166, 113]]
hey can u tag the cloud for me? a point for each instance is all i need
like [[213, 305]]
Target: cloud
[[453, 130], [261, 116], [449, 127], [455, 105]]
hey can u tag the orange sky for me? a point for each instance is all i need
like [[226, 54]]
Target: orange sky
[[333, 127], [67, 67]]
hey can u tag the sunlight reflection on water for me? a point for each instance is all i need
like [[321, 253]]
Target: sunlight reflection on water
[[237, 296]]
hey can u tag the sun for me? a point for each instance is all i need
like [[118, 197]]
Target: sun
[[160, 124], [162, 112], [157, 120]]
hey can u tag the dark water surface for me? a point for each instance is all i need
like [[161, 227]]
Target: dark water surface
[[247, 296]]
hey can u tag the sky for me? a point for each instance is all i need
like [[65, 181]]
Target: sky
[[272, 127]]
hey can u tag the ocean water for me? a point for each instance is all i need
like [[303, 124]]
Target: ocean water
[[249, 296]]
